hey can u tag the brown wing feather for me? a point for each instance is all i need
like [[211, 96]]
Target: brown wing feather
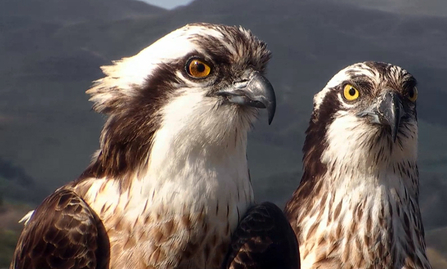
[[263, 239], [63, 232]]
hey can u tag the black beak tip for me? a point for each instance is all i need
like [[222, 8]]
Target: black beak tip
[[262, 91], [271, 109]]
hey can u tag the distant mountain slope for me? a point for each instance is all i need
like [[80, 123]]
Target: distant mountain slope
[[38, 36], [51, 51], [435, 238], [74, 11]]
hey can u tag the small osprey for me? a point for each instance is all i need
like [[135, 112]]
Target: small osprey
[[170, 181], [357, 203]]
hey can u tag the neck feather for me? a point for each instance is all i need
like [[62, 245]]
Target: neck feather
[[364, 197], [197, 155]]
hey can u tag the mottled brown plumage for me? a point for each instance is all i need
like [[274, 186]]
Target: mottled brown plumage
[[170, 181], [357, 203], [263, 240], [63, 220]]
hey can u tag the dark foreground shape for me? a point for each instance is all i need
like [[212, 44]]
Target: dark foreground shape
[[263, 239], [63, 233]]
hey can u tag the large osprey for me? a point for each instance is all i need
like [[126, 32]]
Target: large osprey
[[170, 181], [357, 203]]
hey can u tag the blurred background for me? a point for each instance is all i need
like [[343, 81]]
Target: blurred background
[[51, 50]]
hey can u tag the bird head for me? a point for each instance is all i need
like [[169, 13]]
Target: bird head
[[201, 83], [222, 63], [366, 113]]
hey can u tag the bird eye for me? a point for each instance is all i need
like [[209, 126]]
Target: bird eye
[[197, 68], [412, 94], [350, 92]]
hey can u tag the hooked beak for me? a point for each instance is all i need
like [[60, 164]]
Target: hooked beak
[[387, 110], [255, 92]]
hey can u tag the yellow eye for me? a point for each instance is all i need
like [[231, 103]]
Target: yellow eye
[[413, 95], [197, 68], [350, 93]]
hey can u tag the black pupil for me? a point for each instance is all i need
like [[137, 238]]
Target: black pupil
[[200, 67], [352, 91], [411, 93]]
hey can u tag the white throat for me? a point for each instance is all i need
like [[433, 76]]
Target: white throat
[[358, 158], [198, 159], [370, 196], [199, 151]]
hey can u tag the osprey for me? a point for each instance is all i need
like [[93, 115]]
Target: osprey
[[357, 203], [170, 181]]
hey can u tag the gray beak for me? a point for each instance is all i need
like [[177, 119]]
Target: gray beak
[[387, 110], [255, 92]]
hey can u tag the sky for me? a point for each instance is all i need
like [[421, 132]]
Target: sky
[[168, 4], [415, 7]]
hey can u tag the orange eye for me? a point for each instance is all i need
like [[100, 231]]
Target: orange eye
[[197, 68]]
